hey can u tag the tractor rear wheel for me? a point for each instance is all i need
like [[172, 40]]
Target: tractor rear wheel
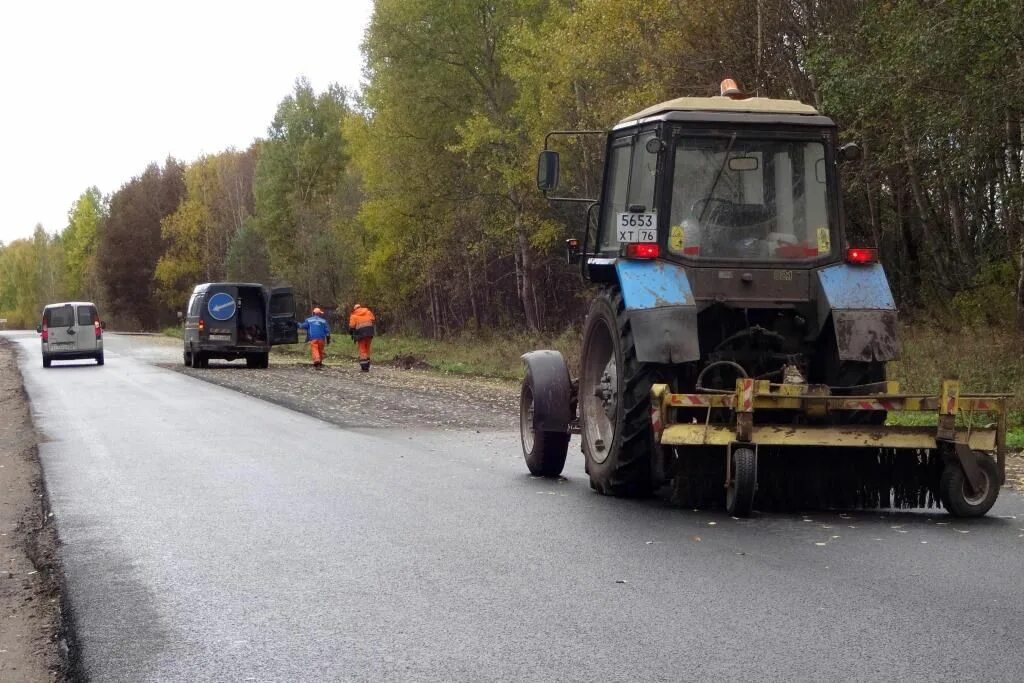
[[615, 402], [544, 451], [956, 493], [739, 494]]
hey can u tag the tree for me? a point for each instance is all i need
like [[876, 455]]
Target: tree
[[80, 241], [131, 243], [218, 202], [299, 178]]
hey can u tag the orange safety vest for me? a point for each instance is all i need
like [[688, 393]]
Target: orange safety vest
[[360, 323]]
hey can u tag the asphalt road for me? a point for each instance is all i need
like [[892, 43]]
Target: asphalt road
[[211, 536]]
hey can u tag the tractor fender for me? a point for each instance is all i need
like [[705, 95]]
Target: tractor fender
[[661, 309], [862, 310], [552, 390]]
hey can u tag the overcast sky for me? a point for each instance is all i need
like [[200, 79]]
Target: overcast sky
[[93, 91]]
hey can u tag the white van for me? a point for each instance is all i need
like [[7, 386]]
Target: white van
[[71, 331]]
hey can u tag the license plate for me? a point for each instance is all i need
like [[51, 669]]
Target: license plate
[[60, 344], [220, 337], [636, 227]]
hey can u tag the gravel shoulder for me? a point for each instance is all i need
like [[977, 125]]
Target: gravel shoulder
[[32, 632], [386, 397]]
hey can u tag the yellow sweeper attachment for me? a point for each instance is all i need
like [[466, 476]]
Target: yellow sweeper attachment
[[797, 445]]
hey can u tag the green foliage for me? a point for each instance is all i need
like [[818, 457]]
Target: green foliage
[[990, 300], [80, 239], [218, 204], [301, 191], [418, 195]]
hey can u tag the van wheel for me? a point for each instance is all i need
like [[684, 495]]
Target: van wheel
[[46, 362], [265, 360], [186, 358], [199, 360], [99, 358], [253, 361]]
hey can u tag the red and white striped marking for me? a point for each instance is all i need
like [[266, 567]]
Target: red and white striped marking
[[746, 395]]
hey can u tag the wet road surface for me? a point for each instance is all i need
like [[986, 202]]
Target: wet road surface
[[209, 535]]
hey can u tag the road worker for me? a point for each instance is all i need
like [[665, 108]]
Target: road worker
[[360, 326], [318, 333]]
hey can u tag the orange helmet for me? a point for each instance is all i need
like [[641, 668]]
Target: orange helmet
[[317, 311]]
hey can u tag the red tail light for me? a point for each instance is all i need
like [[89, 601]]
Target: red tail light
[[45, 333], [861, 256], [643, 250], [97, 329], [202, 325], [691, 251]]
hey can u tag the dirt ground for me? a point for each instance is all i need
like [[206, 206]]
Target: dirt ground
[[32, 643]]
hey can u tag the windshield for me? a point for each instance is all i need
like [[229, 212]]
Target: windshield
[[741, 198]]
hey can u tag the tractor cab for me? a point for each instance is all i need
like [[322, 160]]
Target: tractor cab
[[724, 180]]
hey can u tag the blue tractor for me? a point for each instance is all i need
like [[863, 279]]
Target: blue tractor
[[736, 352]]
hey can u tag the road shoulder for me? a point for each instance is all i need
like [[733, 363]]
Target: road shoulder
[[35, 633]]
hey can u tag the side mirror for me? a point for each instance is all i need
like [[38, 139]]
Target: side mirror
[[849, 152], [547, 170], [39, 329]]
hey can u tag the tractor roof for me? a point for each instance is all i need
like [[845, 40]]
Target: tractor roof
[[751, 105]]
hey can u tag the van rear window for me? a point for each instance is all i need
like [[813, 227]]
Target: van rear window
[[60, 317], [86, 315]]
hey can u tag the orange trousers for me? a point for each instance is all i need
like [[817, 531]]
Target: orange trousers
[[364, 347], [316, 348]]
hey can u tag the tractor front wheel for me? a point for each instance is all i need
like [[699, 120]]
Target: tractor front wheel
[[544, 451], [615, 402]]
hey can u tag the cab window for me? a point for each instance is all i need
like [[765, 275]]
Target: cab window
[[630, 182], [87, 315], [63, 316]]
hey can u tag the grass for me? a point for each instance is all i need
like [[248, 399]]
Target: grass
[[489, 354]]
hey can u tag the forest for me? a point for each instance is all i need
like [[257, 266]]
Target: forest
[[417, 193]]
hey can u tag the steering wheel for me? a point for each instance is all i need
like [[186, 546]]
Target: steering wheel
[[700, 207]]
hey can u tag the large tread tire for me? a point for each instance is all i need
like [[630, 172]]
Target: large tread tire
[[739, 497], [626, 469], [46, 362], [253, 361], [186, 358], [99, 359], [953, 488], [544, 451]]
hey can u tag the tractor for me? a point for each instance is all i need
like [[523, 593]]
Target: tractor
[[735, 353]]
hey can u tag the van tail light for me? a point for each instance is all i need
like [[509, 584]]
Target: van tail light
[[45, 333], [861, 256], [202, 326], [97, 329], [691, 251], [645, 250]]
